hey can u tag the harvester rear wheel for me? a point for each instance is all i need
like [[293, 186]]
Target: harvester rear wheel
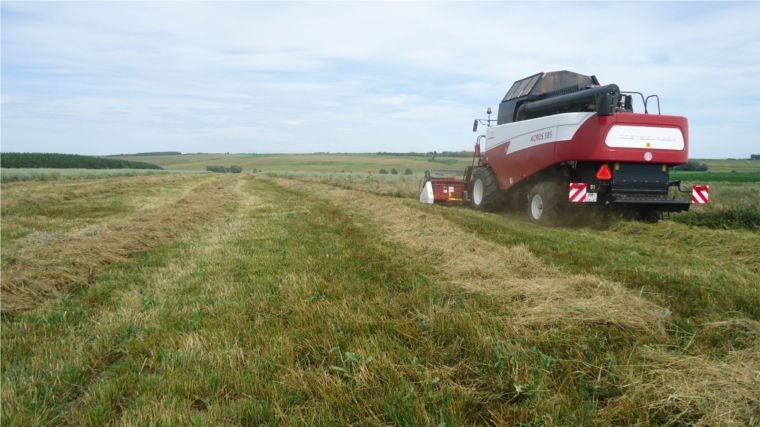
[[544, 202], [486, 195]]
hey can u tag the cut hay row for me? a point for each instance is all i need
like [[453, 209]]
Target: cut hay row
[[25, 198], [541, 295], [308, 304], [547, 304], [39, 273]]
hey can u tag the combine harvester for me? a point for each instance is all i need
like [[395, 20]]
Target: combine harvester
[[562, 139]]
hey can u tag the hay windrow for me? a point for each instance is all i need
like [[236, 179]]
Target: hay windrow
[[38, 193], [747, 329], [722, 392], [672, 386], [322, 305], [39, 273], [540, 294]]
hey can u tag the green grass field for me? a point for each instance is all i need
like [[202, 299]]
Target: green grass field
[[724, 165], [710, 177], [337, 299]]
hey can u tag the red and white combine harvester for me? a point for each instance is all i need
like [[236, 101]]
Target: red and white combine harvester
[[562, 139]]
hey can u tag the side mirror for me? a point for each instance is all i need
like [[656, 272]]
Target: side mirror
[[475, 126], [604, 105]]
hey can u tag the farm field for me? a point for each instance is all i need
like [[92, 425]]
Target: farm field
[[305, 162], [338, 299]]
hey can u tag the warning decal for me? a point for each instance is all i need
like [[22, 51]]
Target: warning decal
[[700, 194], [577, 192]]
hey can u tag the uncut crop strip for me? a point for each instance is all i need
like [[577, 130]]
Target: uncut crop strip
[[20, 175], [39, 273], [391, 185]]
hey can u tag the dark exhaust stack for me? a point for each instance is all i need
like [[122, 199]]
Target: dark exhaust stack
[[605, 97]]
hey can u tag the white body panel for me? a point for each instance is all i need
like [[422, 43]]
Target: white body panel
[[621, 136], [530, 133]]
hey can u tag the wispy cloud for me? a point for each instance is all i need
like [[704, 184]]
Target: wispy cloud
[[101, 78]]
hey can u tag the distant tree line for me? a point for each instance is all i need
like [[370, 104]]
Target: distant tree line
[[222, 169], [153, 153], [693, 165], [68, 161], [754, 157], [394, 171], [410, 154], [463, 153]]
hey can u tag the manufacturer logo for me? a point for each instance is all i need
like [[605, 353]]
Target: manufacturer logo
[[541, 135], [648, 156], [646, 137]]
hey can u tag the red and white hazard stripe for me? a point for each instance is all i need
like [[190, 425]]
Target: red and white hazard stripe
[[700, 194], [577, 192]]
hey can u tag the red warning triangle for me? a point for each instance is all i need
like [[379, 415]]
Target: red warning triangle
[[604, 173]]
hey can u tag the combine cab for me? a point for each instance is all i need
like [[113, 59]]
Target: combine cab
[[561, 138]]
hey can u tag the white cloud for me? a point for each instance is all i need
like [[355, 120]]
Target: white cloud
[[101, 78], [8, 98]]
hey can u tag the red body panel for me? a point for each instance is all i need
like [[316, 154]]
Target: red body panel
[[447, 190], [587, 144], [513, 168]]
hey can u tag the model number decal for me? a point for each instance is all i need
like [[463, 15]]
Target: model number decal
[[540, 136]]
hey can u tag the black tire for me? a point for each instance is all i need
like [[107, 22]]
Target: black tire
[[545, 202], [486, 195], [651, 216]]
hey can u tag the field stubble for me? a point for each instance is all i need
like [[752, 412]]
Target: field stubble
[[125, 217], [302, 303], [550, 306]]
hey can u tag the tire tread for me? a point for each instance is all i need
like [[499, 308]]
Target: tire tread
[[491, 192], [551, 196]]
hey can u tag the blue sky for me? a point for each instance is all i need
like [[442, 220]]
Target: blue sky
[[300, 77]]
